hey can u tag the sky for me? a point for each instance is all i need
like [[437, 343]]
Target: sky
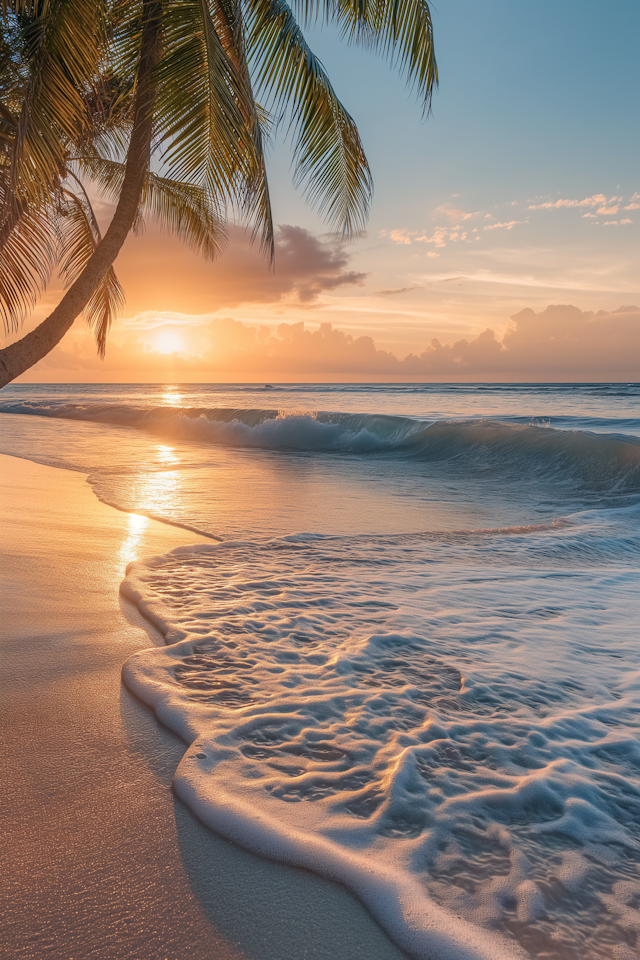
[[503, 240]]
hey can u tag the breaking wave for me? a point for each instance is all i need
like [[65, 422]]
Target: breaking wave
[[603, 460]]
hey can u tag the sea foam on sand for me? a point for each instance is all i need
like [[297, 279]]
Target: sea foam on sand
[[97, 861], [447, 724]]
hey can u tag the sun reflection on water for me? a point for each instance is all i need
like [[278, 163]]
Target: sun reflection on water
[[158, 490], [136, 527], [166, 454], [172, 396]]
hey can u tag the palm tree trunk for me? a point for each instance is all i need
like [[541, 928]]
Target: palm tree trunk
[[19, 356]]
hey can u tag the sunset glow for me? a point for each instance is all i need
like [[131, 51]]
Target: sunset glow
[[168, 343], [475, 220]]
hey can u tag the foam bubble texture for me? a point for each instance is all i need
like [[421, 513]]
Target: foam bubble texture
[[457, 742]]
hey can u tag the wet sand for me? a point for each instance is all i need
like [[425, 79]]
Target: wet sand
[[99, 860]]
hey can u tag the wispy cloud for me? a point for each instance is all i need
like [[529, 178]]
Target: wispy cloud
[[152, 319], [406, 237], [394, 291], [451, 213], [506, 226], [594, 201]]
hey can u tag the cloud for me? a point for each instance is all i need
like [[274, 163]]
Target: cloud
[[607, 206], [308, 265], [402, 236], [405, 237], [560, 342], [152, 319], [437, 237], [453, 214], [594, 201], [159, 273], [396, 290], [507, 226]]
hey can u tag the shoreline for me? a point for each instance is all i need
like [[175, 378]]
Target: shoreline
[[100, 859]]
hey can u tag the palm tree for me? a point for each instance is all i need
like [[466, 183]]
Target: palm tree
[[164, 105]]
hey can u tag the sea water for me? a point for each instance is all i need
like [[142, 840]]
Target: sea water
[[409, 658]]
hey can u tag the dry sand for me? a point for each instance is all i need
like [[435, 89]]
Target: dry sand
[[98, 858]]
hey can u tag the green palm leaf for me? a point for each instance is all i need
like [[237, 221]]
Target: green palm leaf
[[63, 44], [205, 114], [79, 235], [401, 30], [330, 160], [181, 208], [27, 259]]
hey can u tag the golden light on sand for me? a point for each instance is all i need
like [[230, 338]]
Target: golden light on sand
[[168, 343]]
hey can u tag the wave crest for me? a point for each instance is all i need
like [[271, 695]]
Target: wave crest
[[609, 460]]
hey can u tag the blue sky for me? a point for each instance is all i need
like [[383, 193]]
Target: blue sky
[[534, 99], [537, 102]]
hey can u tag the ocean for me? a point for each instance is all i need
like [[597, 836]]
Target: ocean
[[408, 656]]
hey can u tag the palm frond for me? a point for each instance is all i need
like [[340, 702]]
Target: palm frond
[[63, 43], [27, 260], [401, 30], [79, 235], [228, 19], [330, 160], [181, 208], [205, 114], [187, 211]]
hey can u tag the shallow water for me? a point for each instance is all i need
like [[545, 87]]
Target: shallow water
[[433, 692]]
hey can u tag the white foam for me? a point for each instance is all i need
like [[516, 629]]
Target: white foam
[[455, 742]]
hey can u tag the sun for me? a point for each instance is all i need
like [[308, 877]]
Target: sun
[[168, 343]]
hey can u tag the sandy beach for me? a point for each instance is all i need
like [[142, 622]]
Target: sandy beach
[[99, 859]]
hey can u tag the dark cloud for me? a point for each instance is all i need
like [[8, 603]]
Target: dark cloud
[[395, 290], [160, 273], [307, 265]]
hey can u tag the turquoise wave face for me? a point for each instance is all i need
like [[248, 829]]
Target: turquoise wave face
[[610, 461]]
